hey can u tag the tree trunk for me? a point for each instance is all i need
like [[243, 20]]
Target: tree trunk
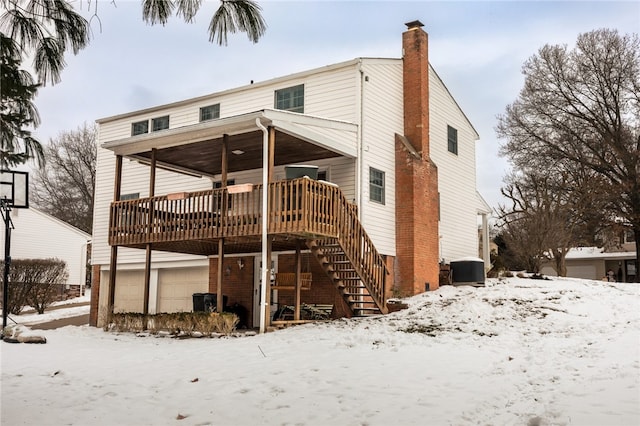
[[561, 265], [636, 234]]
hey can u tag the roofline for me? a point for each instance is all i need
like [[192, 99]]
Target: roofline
[[455, 102], [214, 95], [236, 124], [63, 223]]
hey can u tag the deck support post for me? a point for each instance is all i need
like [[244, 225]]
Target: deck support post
[[147, 258], [113, 261], [296, 315], [268, 140], [225, 161], [219, 298], [267, 285]]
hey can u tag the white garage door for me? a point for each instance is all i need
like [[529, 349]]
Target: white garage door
[[129, 291], [587, 272], [177, 285]]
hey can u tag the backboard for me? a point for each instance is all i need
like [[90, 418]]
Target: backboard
[[14, 188]]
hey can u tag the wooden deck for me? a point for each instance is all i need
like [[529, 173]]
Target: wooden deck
[[299, 209], [192, 222]]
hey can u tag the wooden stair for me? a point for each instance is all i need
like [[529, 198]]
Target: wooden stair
[[346, 277]]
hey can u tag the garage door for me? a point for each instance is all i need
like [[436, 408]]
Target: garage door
[[129, 290], [582, 271], [177, 285]]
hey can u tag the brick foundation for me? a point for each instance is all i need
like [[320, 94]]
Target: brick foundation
[[94, 308]]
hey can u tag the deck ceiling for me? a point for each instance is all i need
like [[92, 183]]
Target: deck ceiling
[[197, 148], [206, 157]]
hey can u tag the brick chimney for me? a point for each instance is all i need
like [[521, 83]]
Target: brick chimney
[[415, 55], [417, 201]]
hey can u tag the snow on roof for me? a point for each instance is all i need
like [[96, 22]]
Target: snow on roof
[[597, 253]]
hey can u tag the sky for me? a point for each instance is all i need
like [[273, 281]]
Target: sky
[[477, 48], [515, 352]]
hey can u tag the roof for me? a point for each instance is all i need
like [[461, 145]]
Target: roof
[[62, 223], [197, 148], [597, 253]]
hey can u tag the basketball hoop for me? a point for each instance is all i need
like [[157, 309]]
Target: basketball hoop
[[14, 193], [14, 189]]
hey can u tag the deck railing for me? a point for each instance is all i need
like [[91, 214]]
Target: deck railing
[[303, 207]]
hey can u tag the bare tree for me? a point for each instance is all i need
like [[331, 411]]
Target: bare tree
[[64, 187], [553, 205], [582, 106]]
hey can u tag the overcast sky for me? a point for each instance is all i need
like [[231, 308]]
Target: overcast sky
[[477, 48]]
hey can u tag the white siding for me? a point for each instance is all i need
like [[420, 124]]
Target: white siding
[[456, 173], [329, 93], [39, 236], [382, 118]]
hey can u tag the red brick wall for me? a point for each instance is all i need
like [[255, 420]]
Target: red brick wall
[[237, 285], [322, 289], [417, 235], [95, 296]]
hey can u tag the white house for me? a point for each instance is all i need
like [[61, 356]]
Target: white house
[[37, 235], [395, 195]]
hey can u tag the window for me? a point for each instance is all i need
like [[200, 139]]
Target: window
[[132, 196], [376, 185], [210, 112], [218, 184], [452, 140], [322, 175], [160, 123], [140, 127], [629, 237], [290, 99]]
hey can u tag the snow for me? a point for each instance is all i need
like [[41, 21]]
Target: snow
[[515, 352], [55, 311]]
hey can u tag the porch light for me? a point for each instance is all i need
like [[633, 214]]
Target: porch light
[[237, 152]]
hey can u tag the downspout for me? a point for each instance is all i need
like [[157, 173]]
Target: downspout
[[83, 268], [266, 264], [359, 175]]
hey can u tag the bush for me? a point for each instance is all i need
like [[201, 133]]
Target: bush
[[34, 282], [175, 323]]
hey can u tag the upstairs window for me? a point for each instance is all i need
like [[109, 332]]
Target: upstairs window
[[139, 128], [210, 112], [160, 123], [376, 185], [290, 99], [452, 140]]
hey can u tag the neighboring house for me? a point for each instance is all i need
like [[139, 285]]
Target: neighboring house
[[37, 235], [395, 193], [593, 263]]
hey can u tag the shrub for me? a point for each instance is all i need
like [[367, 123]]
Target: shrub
[[34, 282], [175, 323]]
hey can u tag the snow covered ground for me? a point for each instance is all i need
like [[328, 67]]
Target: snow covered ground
[[516, 352]]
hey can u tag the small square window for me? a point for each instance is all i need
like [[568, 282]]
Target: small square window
[[376, 185], [140, 127], [210, 112], [290, 99], [452, 140], [160, 123]]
